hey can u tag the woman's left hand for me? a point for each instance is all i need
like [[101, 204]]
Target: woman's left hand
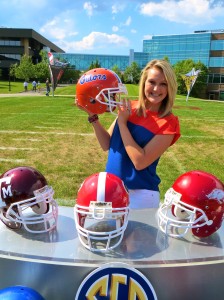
[[124, 111]]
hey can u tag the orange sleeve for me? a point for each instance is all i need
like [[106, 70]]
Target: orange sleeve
[[170, 125]]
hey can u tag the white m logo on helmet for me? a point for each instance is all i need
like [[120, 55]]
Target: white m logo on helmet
[[5, 191]]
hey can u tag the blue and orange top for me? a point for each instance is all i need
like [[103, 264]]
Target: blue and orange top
[[142, 129]]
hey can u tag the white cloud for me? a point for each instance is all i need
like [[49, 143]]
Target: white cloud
[[58, 28], [95, 40], [115, 28], [116, 8], [147, 37], [89, 7], [191, 12], [133, 31]]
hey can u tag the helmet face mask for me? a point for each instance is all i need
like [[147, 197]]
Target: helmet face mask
[[99, 90], [101, 212], [24, 205], [102, 235], [111, 97], [195, 202], [177, 217]]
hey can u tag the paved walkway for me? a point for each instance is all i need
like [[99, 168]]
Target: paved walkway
[[29, 93], [24, 94]]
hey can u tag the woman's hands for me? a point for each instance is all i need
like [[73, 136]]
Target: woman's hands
[[124, 111], [83, 108]]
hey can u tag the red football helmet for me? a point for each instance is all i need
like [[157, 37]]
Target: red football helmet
[[26, 199], [98, 90], [196, 202], [101, 211]]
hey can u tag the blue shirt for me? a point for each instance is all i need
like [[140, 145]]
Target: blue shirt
[[142, 129]]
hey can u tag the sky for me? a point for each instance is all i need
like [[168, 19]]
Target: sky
[[110, 26]]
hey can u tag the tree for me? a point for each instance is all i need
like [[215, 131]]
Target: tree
[[199, 89], [132, 73], [12, 70], [94, 64], [25, 69], [166, 58], [41, 70], [183, 67], [117, 71], [70, 75]]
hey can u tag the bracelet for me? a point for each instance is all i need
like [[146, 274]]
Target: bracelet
[[93, 118]]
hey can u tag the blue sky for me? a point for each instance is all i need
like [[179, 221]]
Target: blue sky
[[110, 26]]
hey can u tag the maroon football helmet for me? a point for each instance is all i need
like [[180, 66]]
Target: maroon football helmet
[[26, 199]]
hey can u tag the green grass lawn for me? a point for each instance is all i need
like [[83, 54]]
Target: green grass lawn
[[52, 135]]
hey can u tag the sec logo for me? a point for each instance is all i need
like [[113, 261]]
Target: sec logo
[[115, 281]]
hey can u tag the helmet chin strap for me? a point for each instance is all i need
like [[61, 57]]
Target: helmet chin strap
[[40, 208], [180, 213], [9, 223]]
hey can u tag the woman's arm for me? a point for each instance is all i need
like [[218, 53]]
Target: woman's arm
[[102, 135], [141, 157]]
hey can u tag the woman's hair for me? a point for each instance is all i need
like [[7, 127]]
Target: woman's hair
[[167, 103]]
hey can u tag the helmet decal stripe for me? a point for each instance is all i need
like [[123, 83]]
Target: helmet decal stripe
[[118, 78], [101, 187]]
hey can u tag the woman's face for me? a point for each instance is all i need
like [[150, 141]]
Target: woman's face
[[156, 88]]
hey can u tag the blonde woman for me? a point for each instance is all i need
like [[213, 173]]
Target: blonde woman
[[141, 133]]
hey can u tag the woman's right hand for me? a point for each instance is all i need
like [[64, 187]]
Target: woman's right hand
[[83, 108]]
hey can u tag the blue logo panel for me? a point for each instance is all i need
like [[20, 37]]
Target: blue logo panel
[[116, 282]]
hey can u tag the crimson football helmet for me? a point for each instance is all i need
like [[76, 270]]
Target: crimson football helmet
[[101, 211], [196, 202], [99, 90], [26, 199]]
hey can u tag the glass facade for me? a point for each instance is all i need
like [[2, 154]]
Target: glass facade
[[4, 42], [83, 61], [196, 46], [12, 56], [217, 45], [216, 62], [141, 58], [216, 78], [206, 46]]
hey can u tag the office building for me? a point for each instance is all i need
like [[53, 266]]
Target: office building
[[206, 46], [14, 43]]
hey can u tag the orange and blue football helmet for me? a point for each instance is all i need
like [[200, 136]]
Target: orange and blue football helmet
[[99, 90]]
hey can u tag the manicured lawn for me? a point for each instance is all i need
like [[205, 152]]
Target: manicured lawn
[[52, 135]]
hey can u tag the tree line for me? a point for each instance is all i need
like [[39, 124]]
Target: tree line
[[26, 70]]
